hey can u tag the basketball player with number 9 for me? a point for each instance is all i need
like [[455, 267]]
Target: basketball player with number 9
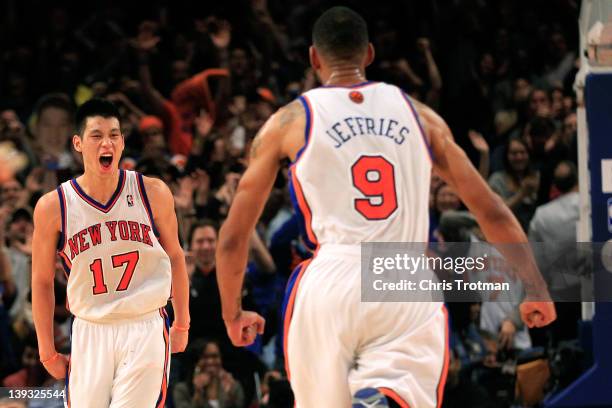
[[115, 232], [362, 155]]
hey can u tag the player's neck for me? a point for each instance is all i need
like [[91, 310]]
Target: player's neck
[[98, 187], [345, 75]]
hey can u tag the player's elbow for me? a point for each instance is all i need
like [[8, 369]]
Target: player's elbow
[[226, 245], [229, 242], [42, 287], [176, 256]]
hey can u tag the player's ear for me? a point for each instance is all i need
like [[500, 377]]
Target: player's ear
[[315, 61], [370, 54], [76, 142]]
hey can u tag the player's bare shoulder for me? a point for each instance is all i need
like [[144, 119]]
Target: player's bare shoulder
[[291, 114], [284, 130], [159, 196], [47, 213], [435, 128], [158, 192]]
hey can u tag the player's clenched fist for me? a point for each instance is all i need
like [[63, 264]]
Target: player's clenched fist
[[538, 314], [244, 328], [178, 339], [57, 365]]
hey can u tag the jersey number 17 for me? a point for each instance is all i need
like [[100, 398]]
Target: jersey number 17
[[130, 259]]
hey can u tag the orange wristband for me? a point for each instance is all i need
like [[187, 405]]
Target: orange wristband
[[53, 357], [180, 328]]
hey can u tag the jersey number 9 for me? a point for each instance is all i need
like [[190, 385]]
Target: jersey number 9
[[374, 177]]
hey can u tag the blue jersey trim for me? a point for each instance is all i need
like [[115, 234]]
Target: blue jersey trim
[[62, 200], [306, 105], [146, 203], [418, 119]]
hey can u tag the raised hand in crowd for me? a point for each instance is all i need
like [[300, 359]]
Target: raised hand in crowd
[[220, 32], [481, 145], [228, 190], [203, 125], [202, 188]]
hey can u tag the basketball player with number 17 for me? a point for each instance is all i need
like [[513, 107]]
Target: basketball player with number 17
[[362, 156], [115, 232]]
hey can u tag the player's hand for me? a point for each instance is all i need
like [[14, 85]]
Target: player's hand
[[178, 340], [56, 366], [538, 314], [244, 328]]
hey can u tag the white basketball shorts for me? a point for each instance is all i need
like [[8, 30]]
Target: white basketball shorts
[[121, 364], [336, 345]]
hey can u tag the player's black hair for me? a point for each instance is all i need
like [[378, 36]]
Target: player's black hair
[[201, 224], [95, 107], [54, 100], [340, 33]]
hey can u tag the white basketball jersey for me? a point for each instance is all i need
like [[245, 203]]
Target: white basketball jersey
[[365, 169], [115, 264]]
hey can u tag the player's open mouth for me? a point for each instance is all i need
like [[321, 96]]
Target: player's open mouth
[[106, 160]]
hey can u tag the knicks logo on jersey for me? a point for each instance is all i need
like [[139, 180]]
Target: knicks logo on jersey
[[117, 230], [356, 97]]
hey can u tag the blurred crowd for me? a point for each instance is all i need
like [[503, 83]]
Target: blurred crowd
[[195, 83]]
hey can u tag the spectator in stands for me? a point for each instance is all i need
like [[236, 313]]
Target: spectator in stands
[[518, 183], [11, 194], [444, 199], [8, 360], [560, 61], [32, 373], [275, 391], [204, 290], [53, 131], [151, 129], [209, 385], [553, 227], [556, 221], [19, 239]]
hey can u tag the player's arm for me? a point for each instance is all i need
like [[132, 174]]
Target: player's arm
[[47, 225], [267, 151], [496, 220], [162, 205]]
